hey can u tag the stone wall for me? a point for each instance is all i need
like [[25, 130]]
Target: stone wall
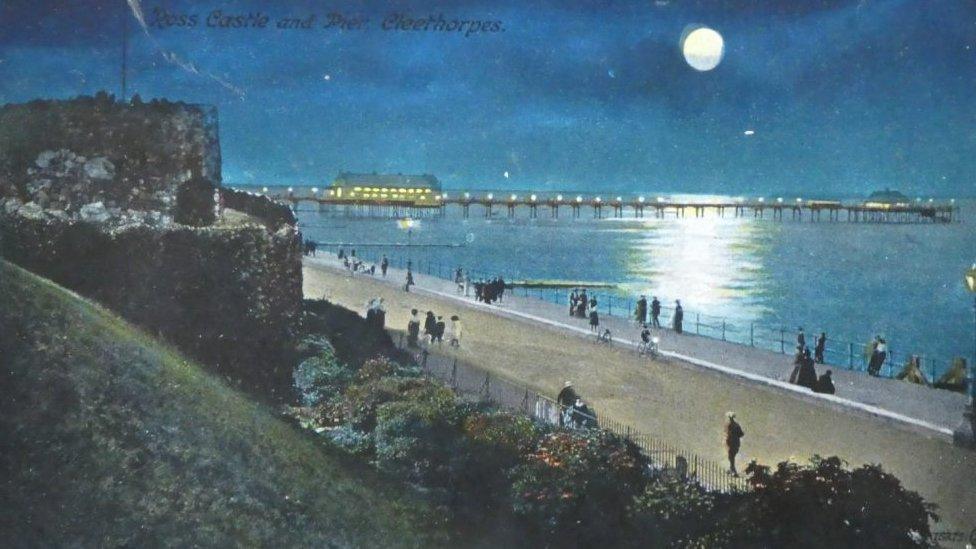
[[63, 155]]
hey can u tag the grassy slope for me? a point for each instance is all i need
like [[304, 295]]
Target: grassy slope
[[109, 438]]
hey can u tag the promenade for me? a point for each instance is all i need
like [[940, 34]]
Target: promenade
[[683, 398]]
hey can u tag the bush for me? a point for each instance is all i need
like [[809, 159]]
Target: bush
[[675, 512], [822, 504], [576, 487], [361, 401], [321, 379], [417, 436]]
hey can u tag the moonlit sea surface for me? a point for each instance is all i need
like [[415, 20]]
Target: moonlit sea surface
[[904, 282]]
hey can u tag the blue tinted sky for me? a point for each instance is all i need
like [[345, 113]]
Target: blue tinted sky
[[844, 97]]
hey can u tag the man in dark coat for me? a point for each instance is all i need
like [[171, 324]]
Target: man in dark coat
[[384, 265], [807, 376], [801, 338], [733, 439], [679, 316], [640, 311], [430, 325], [818, 351], [655, 312]]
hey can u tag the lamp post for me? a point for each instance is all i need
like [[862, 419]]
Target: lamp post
[[965, 434], [408, 223]]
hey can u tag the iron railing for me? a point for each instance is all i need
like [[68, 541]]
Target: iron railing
[[472, 382], [839, 353]]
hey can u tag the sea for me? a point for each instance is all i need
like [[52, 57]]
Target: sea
[[755, 281]]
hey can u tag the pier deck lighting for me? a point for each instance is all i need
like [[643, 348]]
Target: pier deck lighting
[[598, 199], [619, 199], [660, 199], [514, 198], [559, 198], [761, 199], [579, 198], [931, 200], [799, 200], [532, 198], [640, 199], [780, 200], [444, 196], [291, 189], [315, 190], [467, 195], [491, 196]]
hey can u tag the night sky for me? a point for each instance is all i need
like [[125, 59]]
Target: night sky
[[843, 97]]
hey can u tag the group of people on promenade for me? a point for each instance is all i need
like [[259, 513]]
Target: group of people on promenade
[[489, 291], [805, 372], [582, 305], [641, 312], [376, 313], [434, 329]]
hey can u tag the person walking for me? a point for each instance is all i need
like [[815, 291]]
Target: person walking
[[733, 439], [430, 326], [456, 331], [439, 329], [384, 265], [801, 338], [679, 316], [410, 281], [640, 311], [818, 351], [594, 321], [878, 358], [413, 329], [655, 313]]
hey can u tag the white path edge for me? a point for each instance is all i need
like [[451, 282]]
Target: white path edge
[[705, 364]]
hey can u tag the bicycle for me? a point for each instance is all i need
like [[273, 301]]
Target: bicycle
[[649, 348]]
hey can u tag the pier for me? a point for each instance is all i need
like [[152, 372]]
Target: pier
[[556, 204]]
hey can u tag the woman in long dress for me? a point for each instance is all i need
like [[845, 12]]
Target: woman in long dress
[[679, 316]]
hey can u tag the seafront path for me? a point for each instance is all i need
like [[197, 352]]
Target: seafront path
[[683, 397]]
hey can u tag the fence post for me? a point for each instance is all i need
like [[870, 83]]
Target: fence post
[[723, 329], [752, 334], [782, 340], [698, 323], [610, 305], [850, 359]]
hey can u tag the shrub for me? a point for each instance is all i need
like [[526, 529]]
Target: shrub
[[361, 401], [822, 504], [321, 378], [676, 512], [577, 486], [417, 436]]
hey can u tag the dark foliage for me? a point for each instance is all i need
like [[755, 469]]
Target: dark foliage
[[228, 297], [823, 504]]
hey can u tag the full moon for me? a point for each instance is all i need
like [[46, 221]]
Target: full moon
[[703, 49]]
